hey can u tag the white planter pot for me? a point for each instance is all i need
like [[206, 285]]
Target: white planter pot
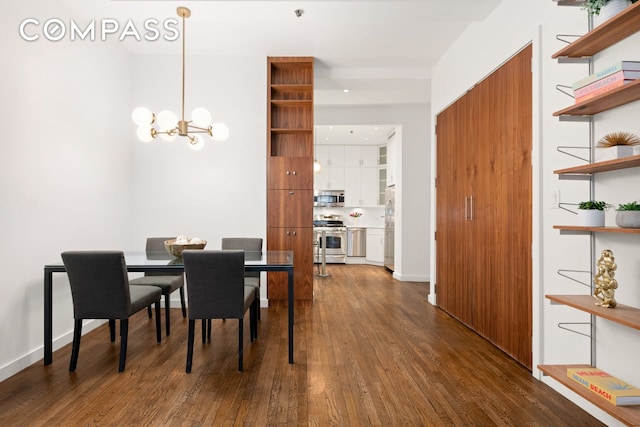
[[590, 218], [609, 10], [611, 153], [628, 219]]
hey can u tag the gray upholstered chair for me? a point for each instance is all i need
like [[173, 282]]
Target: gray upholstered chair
[[248, 244], [216, 290], [100, 290], [168, 282]]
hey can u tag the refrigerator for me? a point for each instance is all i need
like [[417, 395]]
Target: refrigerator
[[389, 226]]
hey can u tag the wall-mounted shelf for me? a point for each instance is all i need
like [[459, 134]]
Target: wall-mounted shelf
[[629, 415], [606, 166], [622, 314], [607, 34], [597, 229], [607, 101]]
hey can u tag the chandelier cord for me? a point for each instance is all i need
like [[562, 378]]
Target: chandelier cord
[[183, 61]]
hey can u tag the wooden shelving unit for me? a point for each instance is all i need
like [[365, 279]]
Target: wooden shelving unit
[[609, 33], [290, 171], [612, 99], [622, 314], [606, 166], [597, 229], [629, 415]]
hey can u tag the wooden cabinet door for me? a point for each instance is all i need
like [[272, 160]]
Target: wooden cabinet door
[[300, 241], [483, 214], [290, 208], [290, 172]]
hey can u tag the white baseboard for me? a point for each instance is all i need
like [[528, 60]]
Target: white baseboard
[[37, 354]]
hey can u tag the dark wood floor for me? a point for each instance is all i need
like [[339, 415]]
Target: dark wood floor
[[369, 351]]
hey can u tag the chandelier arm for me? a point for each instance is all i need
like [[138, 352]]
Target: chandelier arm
[[200, 129]]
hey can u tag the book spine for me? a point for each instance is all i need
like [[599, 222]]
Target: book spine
[[596, 76], [599, 84], [618, 66], [601, 90]]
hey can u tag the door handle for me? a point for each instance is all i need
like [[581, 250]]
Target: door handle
[[471, 209], [466, 208]]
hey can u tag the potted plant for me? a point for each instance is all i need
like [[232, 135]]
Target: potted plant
[[602, 10], [591, 213], [616, 145], [628, 215]]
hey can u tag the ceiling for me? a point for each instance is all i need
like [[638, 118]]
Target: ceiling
[[381, 50]]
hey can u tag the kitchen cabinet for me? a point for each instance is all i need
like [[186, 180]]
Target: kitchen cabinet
[[484, 208], [392, 147], [290, 154], [361, 187], [360, 156], [604, 36], [331, 155], [331, 177], [375, 246]]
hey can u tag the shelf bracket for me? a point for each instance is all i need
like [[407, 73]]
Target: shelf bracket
[[563, 325], [562, 149], [561, 37], [564, 273], [565, 89]]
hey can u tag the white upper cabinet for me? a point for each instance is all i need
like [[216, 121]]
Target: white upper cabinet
[[356, 156], [391, 162]]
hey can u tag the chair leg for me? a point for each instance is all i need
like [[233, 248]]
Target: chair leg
[[149, 311], [112, 329], [252, 321], [167, 313], [158, 324], [124, 334], [204, 331], [209, 329], [191, 336], [75, 349], [182, 302], [240, 340]]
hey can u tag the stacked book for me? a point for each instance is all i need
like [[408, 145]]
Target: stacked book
[[609, 78], [604, 385]]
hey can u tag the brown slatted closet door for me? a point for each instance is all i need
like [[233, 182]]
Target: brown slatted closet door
[[483, 265]]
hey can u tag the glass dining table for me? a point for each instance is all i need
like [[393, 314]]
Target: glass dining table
[[159, 262]]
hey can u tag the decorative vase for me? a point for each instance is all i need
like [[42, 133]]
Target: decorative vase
[[590, 218], [609, 10], [628, 219]]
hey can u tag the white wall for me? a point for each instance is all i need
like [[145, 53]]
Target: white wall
[[64, 171], [413, 223], [485, 46]]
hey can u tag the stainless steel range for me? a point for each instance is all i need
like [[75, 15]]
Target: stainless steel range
[[335, 240]]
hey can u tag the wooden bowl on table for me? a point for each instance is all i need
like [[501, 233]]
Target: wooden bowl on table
[[176, 249]]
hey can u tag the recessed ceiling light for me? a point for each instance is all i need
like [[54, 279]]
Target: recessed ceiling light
[[346, 90]]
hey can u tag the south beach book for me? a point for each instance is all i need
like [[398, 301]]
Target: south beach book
[[604, 385], [606, 81], [613, 68]]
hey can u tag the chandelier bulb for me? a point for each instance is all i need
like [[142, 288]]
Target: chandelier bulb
[[145, 133], [201, 117], [142, 116], [220, 131]]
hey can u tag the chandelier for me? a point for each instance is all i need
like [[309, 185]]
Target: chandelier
[[166, 124]]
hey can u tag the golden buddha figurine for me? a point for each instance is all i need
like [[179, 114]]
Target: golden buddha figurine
[[604, 280]]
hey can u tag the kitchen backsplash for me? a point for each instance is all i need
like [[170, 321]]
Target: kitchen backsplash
[[371, 216]]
